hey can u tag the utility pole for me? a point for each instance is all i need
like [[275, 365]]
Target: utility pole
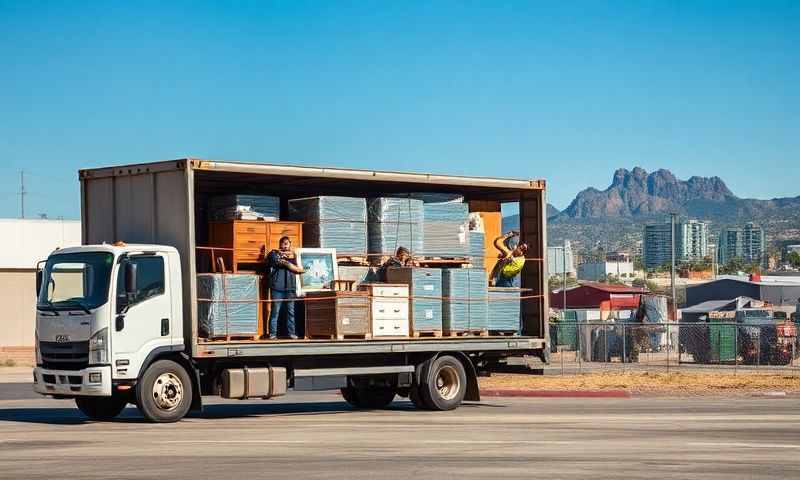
[[564, 268], [672, 270], [22, 194]]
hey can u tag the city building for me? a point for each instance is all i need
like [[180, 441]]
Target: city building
[[555, 260], [598, 295], [692, 240], [777, 290], [747, 243], [691, 243], [616, 264], [23, 243]]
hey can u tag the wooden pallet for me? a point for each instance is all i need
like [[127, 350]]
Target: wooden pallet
[[352, 261], [442, 262], [467, 333], [365, 336], [503, 333], [232, 338], [427, 333]]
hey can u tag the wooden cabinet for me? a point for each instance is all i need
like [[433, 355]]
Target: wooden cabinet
[[389, 307], [332, 314], [241, 241]]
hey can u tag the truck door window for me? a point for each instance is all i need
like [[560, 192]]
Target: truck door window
[[149, 280]]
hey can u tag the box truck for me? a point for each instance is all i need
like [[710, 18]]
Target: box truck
[[123, 325]]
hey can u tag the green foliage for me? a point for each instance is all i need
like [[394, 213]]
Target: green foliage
[[794, 259]]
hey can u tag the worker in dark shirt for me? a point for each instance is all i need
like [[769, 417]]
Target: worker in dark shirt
[[401, 258], [282, 286]]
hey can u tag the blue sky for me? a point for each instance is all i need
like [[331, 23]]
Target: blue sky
[[566, 91]]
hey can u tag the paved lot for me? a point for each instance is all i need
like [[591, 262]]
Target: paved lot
[[316, 435]]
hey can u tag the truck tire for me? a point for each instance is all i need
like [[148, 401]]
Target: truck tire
[[368, 398], [416, 399], [164, 393], [444, 384], [101, 408]]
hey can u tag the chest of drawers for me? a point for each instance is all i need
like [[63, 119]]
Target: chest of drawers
[[389, 308], [244, 239]]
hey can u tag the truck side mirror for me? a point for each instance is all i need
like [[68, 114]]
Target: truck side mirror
[[39, 276], [130, 279]]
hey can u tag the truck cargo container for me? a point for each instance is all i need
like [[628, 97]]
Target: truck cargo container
[[117, 341]]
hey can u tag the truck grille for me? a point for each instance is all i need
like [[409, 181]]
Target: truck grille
[[65, 356]]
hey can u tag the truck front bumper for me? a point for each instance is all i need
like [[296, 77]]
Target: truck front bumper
[[91, 381]]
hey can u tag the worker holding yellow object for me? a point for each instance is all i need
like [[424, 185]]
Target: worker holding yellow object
[[512, 260]]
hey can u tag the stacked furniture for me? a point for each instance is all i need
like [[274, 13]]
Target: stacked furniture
[[425, 285], [247, 239], [476, 249], [219, 319], [392, 223], [244, 207], [337, 314], [504, 309], [389, 309], [332, 222], [446, 226], [464, 307]]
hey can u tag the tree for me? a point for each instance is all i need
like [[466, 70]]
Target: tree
[[794, 259]]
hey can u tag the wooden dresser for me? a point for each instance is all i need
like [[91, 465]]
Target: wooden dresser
[[337, 314], [248, 237], [389, 307]]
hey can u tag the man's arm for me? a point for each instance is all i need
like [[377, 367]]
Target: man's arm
[[499, 243]]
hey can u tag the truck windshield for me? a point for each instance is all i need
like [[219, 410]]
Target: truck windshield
[[75, 281]]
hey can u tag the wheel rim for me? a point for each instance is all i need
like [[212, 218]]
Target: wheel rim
[[447, 382], [167, 391]]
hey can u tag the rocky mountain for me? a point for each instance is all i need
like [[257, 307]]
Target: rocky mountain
[[614, 217], [637, 193]]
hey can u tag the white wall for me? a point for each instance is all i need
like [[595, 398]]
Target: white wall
[[23, 242]]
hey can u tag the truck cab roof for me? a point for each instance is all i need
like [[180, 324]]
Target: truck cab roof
[[117, 248]]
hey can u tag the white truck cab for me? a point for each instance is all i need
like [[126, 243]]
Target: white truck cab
[[101, 311]]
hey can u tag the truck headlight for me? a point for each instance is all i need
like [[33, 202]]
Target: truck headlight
[[98, 347]]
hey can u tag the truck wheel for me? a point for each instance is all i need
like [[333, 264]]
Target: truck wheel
[[416, 399], [444, 384], [165, 392], [368, 398], [101, 408]]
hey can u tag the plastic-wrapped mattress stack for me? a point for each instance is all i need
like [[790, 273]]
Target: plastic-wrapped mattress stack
[[392, 223], [332, 222], [446, 225], [464, 306], [476, 249], [504, 309], [219, 318], [425, 287], [244, 207]]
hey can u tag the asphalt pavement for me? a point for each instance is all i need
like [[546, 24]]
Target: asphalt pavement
[[316, 435]]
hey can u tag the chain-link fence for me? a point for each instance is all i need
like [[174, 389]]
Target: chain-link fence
[[698, 345]]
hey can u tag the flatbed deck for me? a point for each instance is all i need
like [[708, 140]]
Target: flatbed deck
[[274, 348]]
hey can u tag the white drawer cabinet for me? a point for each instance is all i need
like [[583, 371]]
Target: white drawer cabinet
[[389, 308], [389, 328]]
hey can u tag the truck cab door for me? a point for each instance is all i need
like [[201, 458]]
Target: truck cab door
[[141, 322]]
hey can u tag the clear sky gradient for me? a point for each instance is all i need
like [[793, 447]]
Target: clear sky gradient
[[566, 91]]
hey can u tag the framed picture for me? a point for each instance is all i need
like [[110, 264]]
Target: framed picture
[[320, 269]]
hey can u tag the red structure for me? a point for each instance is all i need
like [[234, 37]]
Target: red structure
[[597, 295]]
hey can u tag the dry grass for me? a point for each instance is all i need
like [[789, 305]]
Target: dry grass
[[655, 383]]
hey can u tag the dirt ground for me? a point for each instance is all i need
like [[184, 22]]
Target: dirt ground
[[652, 383]]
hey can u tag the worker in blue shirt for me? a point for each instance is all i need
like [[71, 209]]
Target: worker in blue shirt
[[282, 266]]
